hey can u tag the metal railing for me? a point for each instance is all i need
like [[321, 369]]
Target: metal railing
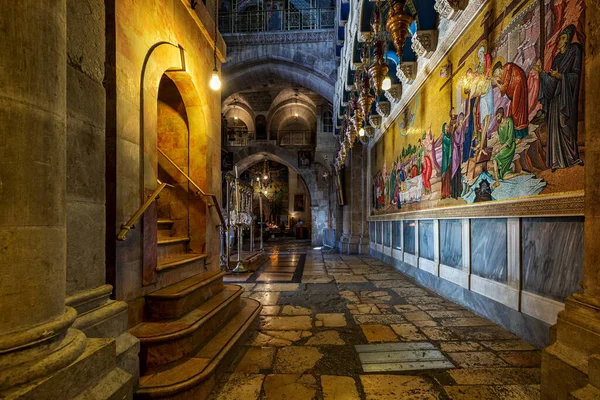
[[302, 19], [199, 191], [287, 138], [130, 224]]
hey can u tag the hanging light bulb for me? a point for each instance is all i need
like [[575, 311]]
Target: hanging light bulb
[[361, 132], [265, 192], [386, 84], [215, 81]]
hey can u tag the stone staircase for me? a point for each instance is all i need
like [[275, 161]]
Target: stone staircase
[[190, 336]]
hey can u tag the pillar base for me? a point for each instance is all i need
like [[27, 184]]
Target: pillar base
[[101, 317], [568, 364]]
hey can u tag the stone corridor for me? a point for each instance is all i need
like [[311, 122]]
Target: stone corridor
[[351, 327]]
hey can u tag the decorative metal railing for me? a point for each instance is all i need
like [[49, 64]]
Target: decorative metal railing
[[302, 19], [293, 137]]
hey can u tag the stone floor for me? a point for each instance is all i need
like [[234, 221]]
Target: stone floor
[[351, 327]]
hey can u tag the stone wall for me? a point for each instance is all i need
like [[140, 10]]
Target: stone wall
[[177, 42]]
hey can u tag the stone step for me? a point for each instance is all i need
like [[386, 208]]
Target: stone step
[[164, 223], [178, 260], [172, 246], [163, 342], [194, 377], [116, 385], [179, 299]]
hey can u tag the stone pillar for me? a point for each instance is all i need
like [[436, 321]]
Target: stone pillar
[[353, 215], [571, 365], [35, 338], [98, 316]]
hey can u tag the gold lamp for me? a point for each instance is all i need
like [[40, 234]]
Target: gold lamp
[[365, 99], [397, 25], [379, 69]]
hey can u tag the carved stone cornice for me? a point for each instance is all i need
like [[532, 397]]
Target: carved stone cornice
[[565, 204], [383, 108], [363, 37], [394, 93], [369, 131], [375, 120], [424, 43], [450, 9], [259, 38], [407, 72]]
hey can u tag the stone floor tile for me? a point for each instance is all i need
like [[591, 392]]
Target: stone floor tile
[[270, 310], [289, 387], [379, 333], [256, 359], [349, 278], [408, 332], [392, 284], [317, 279], [406, 307], [384, 276], [334, 320], [522, 358], [478, 359], [289, 335], [279, 269], [451, 314], [416, 316], [276, 287], [411, 292], [296, 323], [261, 339], [325, 338], [379, 319], [438, 334], [356, 309], [425, 323], [496, 376], [423, 300], [466, 392], [295, 310], [274, 277], [247, 286], [469, 321], [508, 345], [455, 347], [482, 333], [339, 388], [296, 359], [395, 387], [241, 386], [237, 277], [266, 298]]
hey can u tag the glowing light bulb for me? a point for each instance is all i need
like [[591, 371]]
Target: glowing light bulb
[[235, 118], [361, 132], [215, 81], [265, 192], [266, 177], [387, 83], [296, 115], [257, 179]]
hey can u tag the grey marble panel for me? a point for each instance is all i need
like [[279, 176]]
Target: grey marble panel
[[387, 227], [372, 231], [426, 239], [378, 234], [528, 328], [397, 235], [451, 243], [409, 236], [489, 248], [552, 256]]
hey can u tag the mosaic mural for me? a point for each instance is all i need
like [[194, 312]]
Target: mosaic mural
[[500, 119]]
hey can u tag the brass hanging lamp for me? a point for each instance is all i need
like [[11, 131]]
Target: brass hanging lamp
[[397, 25]]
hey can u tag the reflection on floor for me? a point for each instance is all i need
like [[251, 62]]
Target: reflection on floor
[[351, 327]]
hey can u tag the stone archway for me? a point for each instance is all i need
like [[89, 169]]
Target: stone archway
[[317, 189]]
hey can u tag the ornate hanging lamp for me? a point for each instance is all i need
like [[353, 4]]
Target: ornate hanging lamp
[[365, 99], [378, 69], [397, 25]]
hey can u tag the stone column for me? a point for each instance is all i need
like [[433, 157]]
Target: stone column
[[571, 365], [98, 315], [353, 215], [35, 339]]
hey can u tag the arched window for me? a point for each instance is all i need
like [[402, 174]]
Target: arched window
[[328, 121]]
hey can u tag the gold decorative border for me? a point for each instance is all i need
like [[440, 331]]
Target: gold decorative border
[[551, 205]]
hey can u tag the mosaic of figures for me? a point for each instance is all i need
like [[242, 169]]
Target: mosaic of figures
[[505, 123]]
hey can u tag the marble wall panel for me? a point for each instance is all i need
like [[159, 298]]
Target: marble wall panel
[[552, 256], [387, 227], [378, 234], [409, 236], [489, 248], [451, 243], [426, 239], [372, 230], [397, 235]]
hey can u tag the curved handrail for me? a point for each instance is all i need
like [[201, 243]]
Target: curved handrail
[[129, 225], [199, 191]]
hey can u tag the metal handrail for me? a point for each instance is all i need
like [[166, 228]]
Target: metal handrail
[[199, 191], [130, 224]]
